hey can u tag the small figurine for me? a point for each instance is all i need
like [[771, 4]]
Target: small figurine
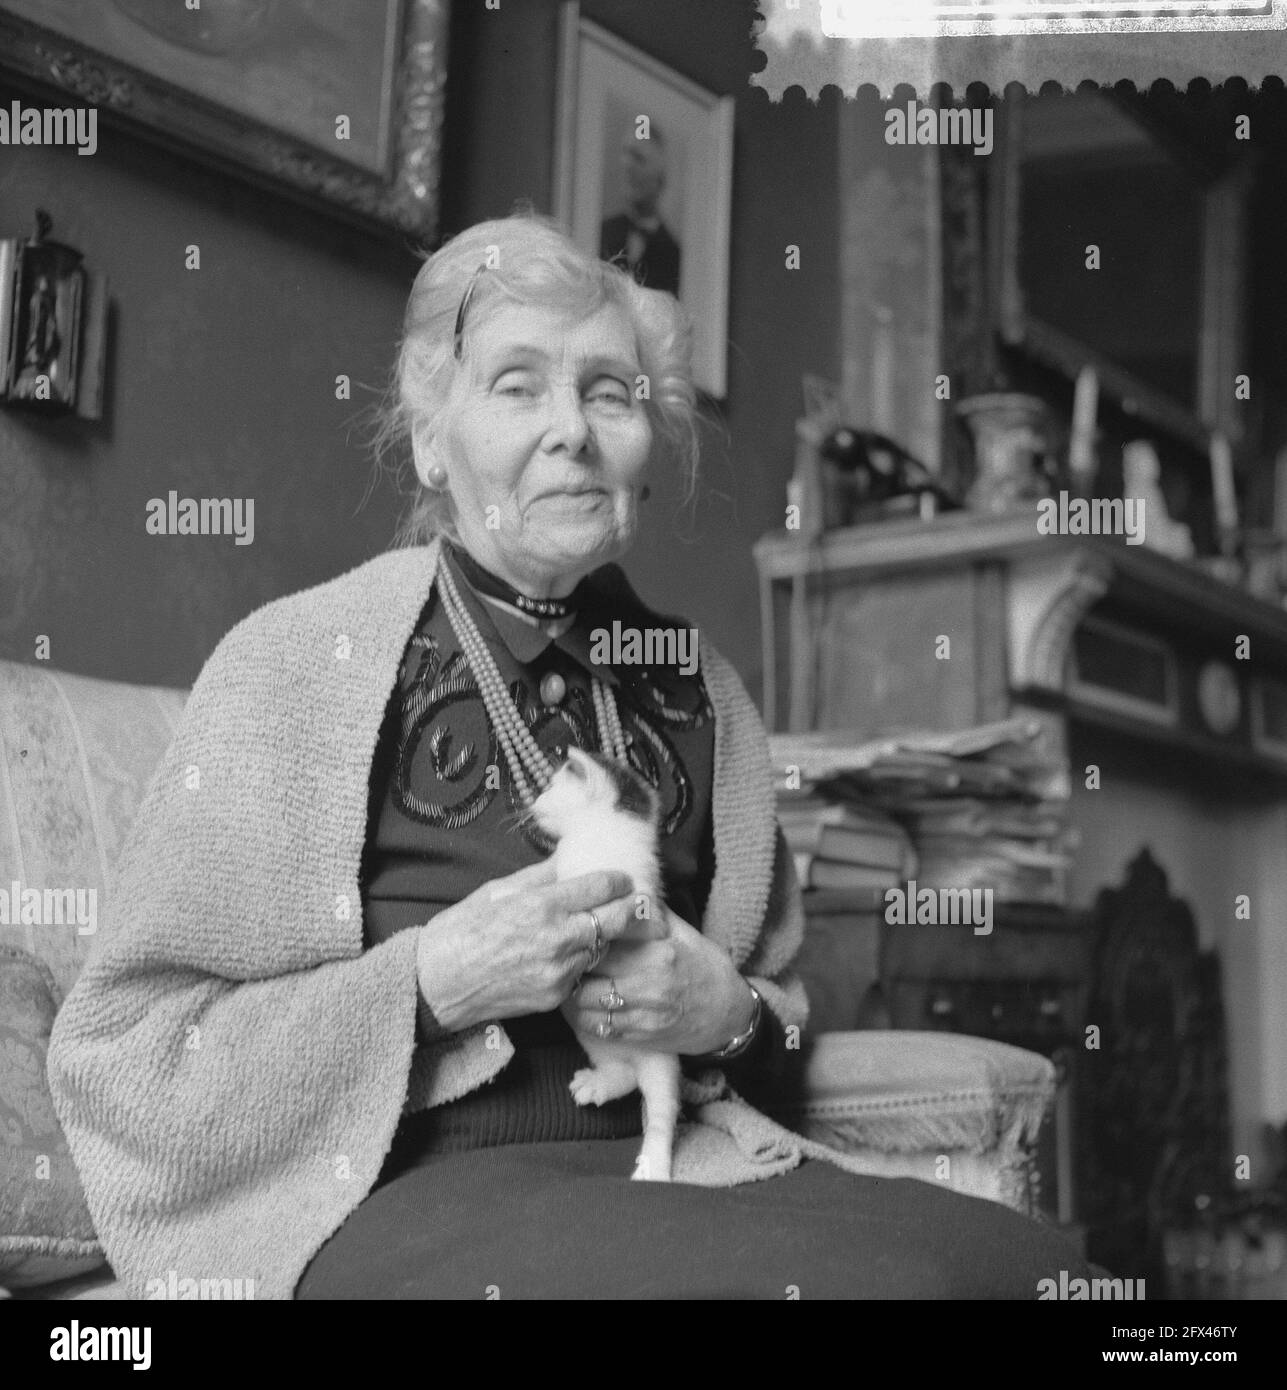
[[43, 342], [1141, 471]]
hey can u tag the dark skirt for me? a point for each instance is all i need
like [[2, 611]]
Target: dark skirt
[[563, 1220]]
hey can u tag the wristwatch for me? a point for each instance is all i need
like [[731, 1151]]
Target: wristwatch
[[742, 1041]]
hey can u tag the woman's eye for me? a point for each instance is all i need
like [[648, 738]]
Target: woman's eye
[[515, 383], [611, 393]]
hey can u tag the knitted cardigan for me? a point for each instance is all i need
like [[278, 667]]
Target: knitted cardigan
[[231, 1065]]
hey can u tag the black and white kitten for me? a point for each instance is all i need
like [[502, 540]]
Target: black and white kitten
[[604, 816]]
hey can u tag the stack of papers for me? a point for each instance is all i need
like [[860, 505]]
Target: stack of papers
[[984, 807]]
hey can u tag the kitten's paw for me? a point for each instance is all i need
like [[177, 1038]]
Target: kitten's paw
[[647, 1170], [590, 1087]]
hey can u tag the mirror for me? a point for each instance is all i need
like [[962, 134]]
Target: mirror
[[1123, 250]]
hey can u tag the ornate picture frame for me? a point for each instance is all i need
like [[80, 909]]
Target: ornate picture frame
[[625, 119], [187, 88]]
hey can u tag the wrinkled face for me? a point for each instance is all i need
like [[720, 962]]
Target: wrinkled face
[[544, 444]]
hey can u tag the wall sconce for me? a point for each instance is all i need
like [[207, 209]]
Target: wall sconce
[[53, 322]]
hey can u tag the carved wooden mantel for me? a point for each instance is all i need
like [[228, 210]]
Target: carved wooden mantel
[[852, 622], [1048, 596]]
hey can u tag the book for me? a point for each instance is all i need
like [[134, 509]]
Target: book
[[875, 848], [846, 833], [818, 810], [935, 848], [816, 872], [975, 816], [858, 834], [846, 902], [829, 873]]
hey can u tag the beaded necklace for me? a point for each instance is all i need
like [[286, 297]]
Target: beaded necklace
[[528, 765]]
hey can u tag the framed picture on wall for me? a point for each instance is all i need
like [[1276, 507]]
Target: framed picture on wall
[[644, 175], [339, 101]]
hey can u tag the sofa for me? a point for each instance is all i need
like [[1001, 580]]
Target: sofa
[[76, 755]]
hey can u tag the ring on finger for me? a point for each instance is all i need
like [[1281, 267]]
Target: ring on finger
[[611, 1000], [596, 952]]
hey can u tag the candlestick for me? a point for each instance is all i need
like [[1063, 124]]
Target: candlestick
[[1280, 494], [1081, 446], [882, 370], [1280, 518], [1226, 499]]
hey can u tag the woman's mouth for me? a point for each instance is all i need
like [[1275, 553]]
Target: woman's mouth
[[572, 494]]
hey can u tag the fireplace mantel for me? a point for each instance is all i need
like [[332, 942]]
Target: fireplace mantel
[[865, 608]]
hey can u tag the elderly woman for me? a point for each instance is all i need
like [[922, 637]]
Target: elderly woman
[[326, 1038]]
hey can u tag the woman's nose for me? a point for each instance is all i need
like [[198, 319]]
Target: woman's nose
[[568, 423]]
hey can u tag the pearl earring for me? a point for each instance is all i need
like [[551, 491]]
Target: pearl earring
[[437, 477]]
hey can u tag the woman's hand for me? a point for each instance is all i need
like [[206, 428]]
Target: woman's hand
[[682, 993], [519, 943]]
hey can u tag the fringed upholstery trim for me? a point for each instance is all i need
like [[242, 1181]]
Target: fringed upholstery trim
[[1003, 1121]]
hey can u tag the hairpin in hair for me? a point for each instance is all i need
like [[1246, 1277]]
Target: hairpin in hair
[[458, 340]]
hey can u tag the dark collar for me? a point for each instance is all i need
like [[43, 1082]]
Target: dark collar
[[526, 639]]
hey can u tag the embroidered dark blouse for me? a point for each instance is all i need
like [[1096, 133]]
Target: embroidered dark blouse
[[443, 819]]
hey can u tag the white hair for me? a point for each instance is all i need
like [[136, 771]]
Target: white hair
[[530, 260]]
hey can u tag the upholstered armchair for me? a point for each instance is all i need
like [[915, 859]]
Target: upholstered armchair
[[76, 755]]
